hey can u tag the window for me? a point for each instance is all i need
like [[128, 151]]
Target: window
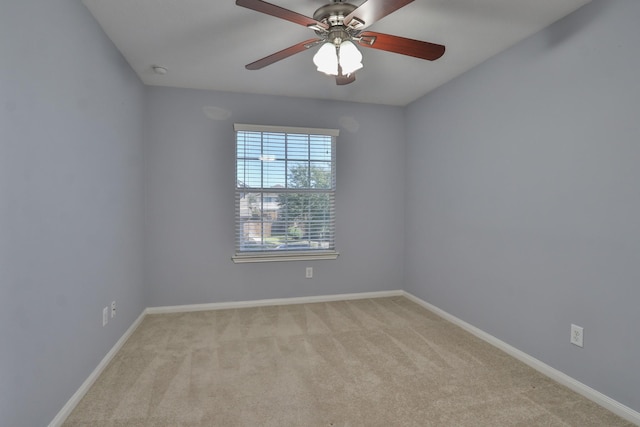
[[285, 193]]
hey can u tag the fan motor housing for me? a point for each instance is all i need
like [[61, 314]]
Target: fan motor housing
[[334, 13]]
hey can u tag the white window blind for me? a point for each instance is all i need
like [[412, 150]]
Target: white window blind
[[285, 193]]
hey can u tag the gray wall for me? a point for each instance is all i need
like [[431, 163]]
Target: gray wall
[[190, 191], [523, 196], [71, 117]]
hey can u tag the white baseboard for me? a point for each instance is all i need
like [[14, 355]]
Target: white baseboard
[[270, 302], [86, 385], [556, 375]]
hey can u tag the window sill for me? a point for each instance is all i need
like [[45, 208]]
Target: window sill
[[271, 257]]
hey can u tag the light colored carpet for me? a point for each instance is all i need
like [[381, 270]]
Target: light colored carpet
[[372, 362]]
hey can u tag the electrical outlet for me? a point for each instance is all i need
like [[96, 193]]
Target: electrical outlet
[[105, 316], [577, 335], [113, 309], [309, 272]]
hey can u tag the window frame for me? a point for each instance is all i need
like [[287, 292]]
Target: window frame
[[282, 255]]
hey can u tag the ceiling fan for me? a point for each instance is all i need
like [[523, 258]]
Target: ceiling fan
[[338, 26]]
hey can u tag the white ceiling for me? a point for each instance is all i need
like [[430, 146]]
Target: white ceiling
[[205, 44]]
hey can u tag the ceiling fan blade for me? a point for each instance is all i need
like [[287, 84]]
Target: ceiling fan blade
[[285, 53], [373, 10], [401, 45], [345, 80], [282, 13]]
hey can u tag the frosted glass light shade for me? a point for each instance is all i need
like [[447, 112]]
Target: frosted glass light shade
[[326, 59], [350, 57]]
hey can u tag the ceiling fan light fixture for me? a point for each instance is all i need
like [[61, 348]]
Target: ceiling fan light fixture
[[350, 57], [338, 24], [326, 59]]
